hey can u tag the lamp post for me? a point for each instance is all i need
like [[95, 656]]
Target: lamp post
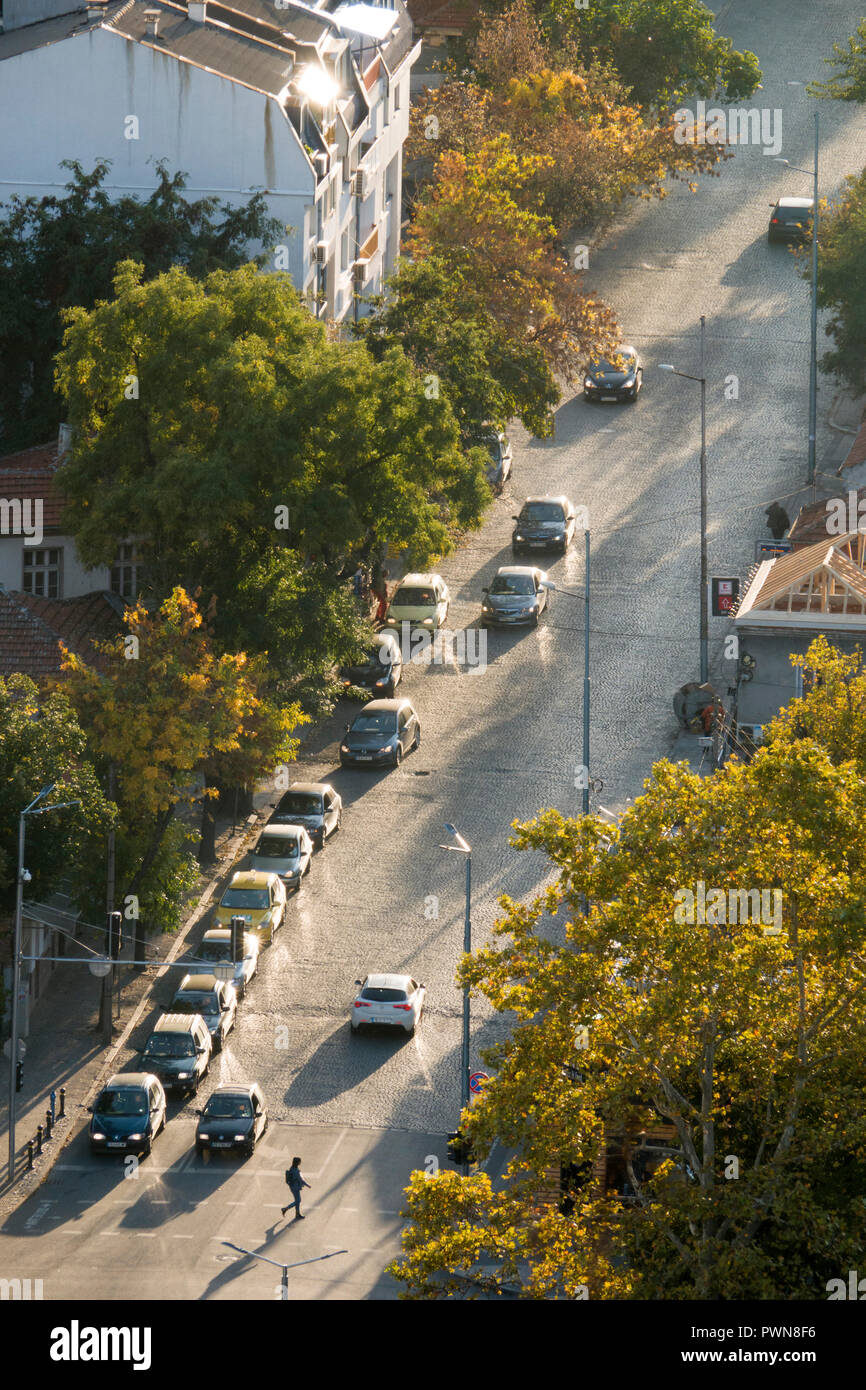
[[461, 847], [34, 809], [813, 329], [667, 367], [284, 1280], [585, 597]]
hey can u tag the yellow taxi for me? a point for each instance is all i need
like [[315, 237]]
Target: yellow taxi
[[259, 898]]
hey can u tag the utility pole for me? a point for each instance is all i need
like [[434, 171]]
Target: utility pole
[[813, 353], [586, 677], [705, 659]]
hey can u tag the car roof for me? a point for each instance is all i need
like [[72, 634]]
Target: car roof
[[129, 1078], [176, 1023], [388, 981], [794, 203], [218, 934], [283, 832], [420, 579], [516, 569], [203, 983], [239, 1088], [310, 787], [250, 878], [548, 497], [384, 706]]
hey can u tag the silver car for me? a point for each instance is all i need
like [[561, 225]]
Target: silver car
[[518, 594], [388, 1001], [314, 805], [216, 949], [286, 850]]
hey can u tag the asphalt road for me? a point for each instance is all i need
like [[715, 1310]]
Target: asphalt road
[[499, 742]]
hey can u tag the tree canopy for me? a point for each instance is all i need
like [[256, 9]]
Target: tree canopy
[[61, 251], [849, 83], [716, 987], [842, 281]]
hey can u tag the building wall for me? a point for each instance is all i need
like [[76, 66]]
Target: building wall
[[75, 578]]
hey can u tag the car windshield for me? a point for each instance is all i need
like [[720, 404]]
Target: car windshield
[[249, 899], [414, 598], [603, 366], [301, 804], [195, 1004], [170, 1045], [227, 1108], [215, 951], [375, 724], [513, 584], [793, 214], [380, 655], [542, 511], [278, 847], [380, 995], [125, 1101]]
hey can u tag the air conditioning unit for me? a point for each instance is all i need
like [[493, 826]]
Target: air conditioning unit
[[320, 252], [322, 162], [360, 271], [360, 184], [755, 732]]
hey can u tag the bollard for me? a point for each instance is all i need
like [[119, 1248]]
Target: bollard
[[63, 1102], [29, 1154], [53, 1098], [38, 1139], [47, 1124]]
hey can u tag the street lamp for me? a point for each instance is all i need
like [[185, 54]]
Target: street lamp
[[667, 367], [461, 847], [813, 349], [278, 1264], [585, 597], [34, 809]]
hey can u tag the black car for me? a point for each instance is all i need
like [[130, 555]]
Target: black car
[[381, 734], [790, 220], [128, 1114], [617, 379], [544, 523], [234, 1118], [382, 669], [178, 1051]]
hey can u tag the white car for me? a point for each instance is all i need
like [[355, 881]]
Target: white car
[[392, 1001], [216, 949], [285, 850]]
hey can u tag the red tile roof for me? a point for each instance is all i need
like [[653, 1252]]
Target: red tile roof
[[857, 453], [31, 474], [31, 629], [454, 16], [811, 523]]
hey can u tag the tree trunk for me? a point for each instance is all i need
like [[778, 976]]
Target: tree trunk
[[207, 847]]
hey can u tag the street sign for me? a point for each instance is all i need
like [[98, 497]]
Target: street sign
[[99, 967], [724, 594], [768, 550], [477, 1082]]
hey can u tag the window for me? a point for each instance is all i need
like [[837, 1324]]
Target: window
[[43, 573], [125, 572], [344, 251], [397, 98]]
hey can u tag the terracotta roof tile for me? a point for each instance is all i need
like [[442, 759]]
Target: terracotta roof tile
[[31, 629], [810, 525], [452, 15], [31, 474]]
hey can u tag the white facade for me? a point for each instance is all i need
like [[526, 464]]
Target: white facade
[[89, 91], [75, 580]]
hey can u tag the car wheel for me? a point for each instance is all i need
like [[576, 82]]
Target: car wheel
[[417, 743], [147, 1148], [535, 619], [249, 1149], [410, 1032], [398, 756], [199, 1151]]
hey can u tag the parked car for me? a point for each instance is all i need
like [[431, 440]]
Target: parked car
[[216, 1001], [178, 1052], [544, 523], [421, 600], [235, 1117], [501, 456], [392, 1001], [381, 670], [314, 805], [259, 898], [285, 850], [518, 594], [382, 733], [216, 949], [618, 378], [790, 220], [128, 1114]]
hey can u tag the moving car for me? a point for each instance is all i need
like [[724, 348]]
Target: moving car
[[259, 898], [382, 669], [128, 1114], [314, 805], [214, 999], [178, 1052], [381, 734], [618, 378], [216, 949], [392, 1001], [790, 220], [518, 594], [544, 523], [421, 600], [285, 850], [235, 1117]]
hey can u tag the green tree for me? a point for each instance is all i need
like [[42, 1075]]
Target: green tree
[[849, 83], [745, 1040], [60, 251], [842, 281]]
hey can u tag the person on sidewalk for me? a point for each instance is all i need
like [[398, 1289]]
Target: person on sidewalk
[[777, 521], [382, 596], [296, 1184]]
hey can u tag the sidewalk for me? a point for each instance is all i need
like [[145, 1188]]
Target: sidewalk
[[65, 1047]]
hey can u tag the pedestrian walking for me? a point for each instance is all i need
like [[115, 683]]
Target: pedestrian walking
[[359, 581], [777, 521], [382, 596], [295, 1184]]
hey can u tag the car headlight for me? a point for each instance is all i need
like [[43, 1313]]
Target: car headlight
[[239, 1138], [387, 748], [344, 748], [428, 622], [184, 1075], [135, 1136], [629, 381], [202, 1135], [588, 383], [97, 1135], [486, 608], [519, 538]]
